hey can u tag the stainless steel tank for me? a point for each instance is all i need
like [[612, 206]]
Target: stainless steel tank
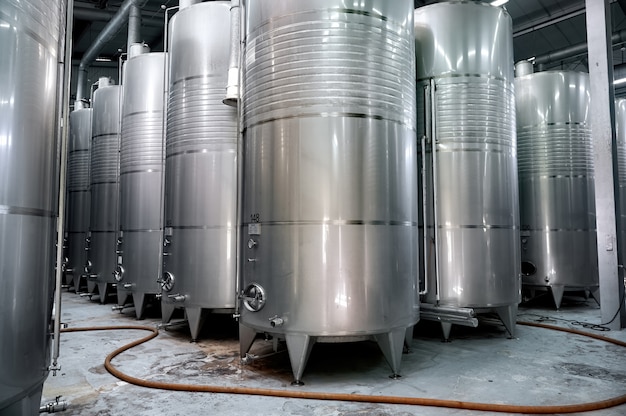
[[201, 168], [329, 197], [78, 196], [556, 181], [620, 135], [466, 109], [105, 163], [140, 240], [29, 47]]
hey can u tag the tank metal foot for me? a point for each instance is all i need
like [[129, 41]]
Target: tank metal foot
[[297, 383], [246, 338], [395, 376], [557, 294], [299, 347], [391, 344], [508, 316]]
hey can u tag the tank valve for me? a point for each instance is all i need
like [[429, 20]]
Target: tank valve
[[252, 243], [128, 285], [276, 321], [53, 407], [177, 297]]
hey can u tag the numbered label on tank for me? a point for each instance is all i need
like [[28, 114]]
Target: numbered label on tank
[[254, 228]]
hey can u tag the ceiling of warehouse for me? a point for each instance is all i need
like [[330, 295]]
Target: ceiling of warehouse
[[540, 27]]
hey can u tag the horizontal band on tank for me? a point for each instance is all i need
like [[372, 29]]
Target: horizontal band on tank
[[75, 191], [105, 135], [178, 81], [13, 210], [337, 222], [104, 183], [332, 115], [482, 150], [533, 177], [554, 230], [76, 232], [158, 112], [444, 76], [200, 227], [476, 227], [562, 123], [187, 152], [32, 34], [141, 230], [127, 172], [103, 231], [78, 151]]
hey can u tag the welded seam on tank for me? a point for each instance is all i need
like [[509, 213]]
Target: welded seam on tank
[[78, 151], [156, 112], [560, 123], [141, 230], [104, 183], [334, 114], [337, 222], [200, 227], [477, 227], [552, 230], [468, 75], [212, 142], [128, 172], [528, 176], [103, 231], [191, 78], [32, 34], [34, 212], [105, 135]]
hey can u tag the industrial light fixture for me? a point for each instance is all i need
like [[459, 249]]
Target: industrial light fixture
[[499, 2]]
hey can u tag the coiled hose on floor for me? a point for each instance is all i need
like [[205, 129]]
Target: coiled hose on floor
[[294, 394]]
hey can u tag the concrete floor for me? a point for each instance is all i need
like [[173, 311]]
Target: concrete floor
[[538, 367]]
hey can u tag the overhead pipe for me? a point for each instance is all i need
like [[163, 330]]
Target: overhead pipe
[[134, 27], [232, 86], [574, 50], [109, 31]]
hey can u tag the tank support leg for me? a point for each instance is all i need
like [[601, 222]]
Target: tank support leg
[[122, 296], [508, 316], [446, 327], [167, 310], [102, 290], [299, 347], [139, 299], [91, 285], [408, 339], [557, 294], [595, 294], [246, 338], [196, 319], [391, 344]]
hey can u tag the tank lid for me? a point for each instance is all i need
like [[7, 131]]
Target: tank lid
[[523, 68], [186, 3], [137, 49], [105, 82]]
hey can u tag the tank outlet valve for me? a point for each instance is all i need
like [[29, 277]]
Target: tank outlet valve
[[117, 308], [276, 321], [158, 296], [118, 274], [128, 285], [253, 260], [52, 407], [177, 297]]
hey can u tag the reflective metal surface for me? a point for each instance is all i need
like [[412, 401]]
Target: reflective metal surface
[[78, 196], [141, 180], [620, 134], [29, 50], [201, 166], [105, 162], [466, 105], [329, 198], [557, 206]]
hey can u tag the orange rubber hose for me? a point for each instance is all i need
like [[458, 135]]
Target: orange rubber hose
[[416, 401]]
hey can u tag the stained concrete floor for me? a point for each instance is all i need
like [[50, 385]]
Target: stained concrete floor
[[538, 367]]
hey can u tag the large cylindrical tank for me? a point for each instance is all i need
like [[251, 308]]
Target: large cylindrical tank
[[620, 135], [105, 164], [329, 238], [465, 97], [556, 182], [201, 168], [140, 240], [29, 43], [78, 196]]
